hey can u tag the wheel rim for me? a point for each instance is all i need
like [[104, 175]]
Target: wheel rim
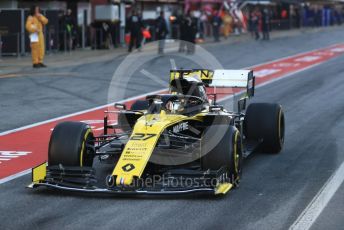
[[237, 155], [86, 153], [281, 127]]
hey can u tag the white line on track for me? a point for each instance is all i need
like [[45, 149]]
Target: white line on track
[[14, 176], [294, 55], [77, 113], [173, 64], [25, 172], [319, 202]]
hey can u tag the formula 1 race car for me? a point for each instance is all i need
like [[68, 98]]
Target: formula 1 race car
[[175, 143]]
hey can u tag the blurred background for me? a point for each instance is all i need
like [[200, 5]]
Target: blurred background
[[101, 24]]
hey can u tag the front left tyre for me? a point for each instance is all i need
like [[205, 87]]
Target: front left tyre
[[71, 144]]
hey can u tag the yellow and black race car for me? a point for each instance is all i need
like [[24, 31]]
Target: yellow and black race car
[[175, 143]]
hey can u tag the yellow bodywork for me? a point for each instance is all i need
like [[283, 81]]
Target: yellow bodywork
[[141, 144], [139, 149], [204, 74], [39, 173], [223, 188]]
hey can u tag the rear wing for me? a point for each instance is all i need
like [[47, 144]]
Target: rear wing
[[219, 78]]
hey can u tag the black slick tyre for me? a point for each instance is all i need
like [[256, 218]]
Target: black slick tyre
[[265, 122], [71, 144]]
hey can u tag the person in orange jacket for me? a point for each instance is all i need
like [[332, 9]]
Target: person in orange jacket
[[34, 25]]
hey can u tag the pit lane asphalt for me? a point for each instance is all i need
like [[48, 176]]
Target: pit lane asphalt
[[275, 188]]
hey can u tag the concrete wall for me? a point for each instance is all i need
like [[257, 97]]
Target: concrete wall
[[51, 5], [10, 4], [81, 7]]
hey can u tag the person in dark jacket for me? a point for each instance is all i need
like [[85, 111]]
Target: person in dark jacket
[[182, 33], [266, 24], [188, 33], [161, 31], [70, 29], [256, 17], [216, 23], [134, 27]]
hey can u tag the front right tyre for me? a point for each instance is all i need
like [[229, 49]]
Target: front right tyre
[[71, 144], [226, 153]]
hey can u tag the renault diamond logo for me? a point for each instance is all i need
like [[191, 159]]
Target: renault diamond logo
[[128, 167]]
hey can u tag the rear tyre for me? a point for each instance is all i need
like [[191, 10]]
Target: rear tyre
[[265, 122], [227, 153], [71, 144]]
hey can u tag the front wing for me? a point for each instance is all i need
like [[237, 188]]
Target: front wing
[[76, 179]]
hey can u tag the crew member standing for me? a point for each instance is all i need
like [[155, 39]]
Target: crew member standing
[[256, 17], [34, 25], [70, 26], [227, 24], [216, 21], [135, 27], [161, 31], [182, 33], [190, 28], [266, 24]]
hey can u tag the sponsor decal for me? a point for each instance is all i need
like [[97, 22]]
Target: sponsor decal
[[142, 136], [128, 167], [180, 127]]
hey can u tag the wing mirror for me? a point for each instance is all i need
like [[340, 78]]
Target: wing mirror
[[241, 105], [120, 106]]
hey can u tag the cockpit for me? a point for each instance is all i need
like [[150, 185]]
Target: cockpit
[[186, 96]]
